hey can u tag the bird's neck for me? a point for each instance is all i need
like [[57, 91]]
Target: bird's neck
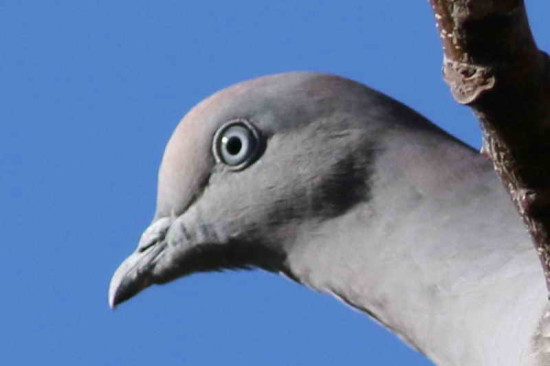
[[437, 255]]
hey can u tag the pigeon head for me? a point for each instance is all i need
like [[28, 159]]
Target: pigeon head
[[350, 193], [254, 167]]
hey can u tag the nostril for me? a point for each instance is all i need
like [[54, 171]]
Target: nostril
[[143, 248], [154, 234]]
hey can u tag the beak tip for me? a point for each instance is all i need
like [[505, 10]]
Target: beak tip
[[113, 290], [120, 286], [133, 275], [129, 279], [112, 299]]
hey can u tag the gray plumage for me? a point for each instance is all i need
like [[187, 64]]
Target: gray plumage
[[353, 194]]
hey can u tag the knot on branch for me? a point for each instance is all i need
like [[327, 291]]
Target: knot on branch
[[534, 203], [467, 81]]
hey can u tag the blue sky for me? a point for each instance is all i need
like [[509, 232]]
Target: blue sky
[[90, 92]]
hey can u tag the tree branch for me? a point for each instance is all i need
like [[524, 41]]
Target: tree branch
[[492, 64]]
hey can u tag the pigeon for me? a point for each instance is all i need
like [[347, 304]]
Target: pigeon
[[349, 192]]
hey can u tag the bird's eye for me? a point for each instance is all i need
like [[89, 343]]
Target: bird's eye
[[237, 144]]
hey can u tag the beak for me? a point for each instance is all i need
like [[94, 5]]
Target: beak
[[134, 274]]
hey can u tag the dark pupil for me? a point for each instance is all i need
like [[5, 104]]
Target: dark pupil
[[234, 145]]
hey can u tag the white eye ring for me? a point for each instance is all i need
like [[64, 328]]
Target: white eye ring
[[237, 144]]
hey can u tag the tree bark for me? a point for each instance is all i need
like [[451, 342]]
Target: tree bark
[[492, 64]]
